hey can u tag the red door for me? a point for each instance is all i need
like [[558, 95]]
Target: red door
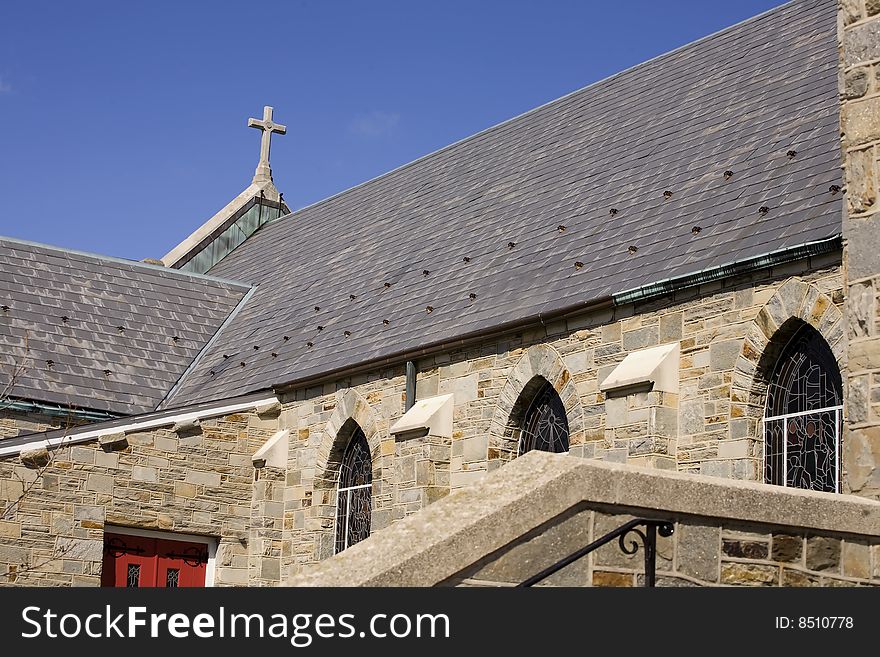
[[135, 561]]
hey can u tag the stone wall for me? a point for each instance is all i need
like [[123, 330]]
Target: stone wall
[[701, 552], [16, 423], [711, 426], [197, 480], [860, 129], [542, 507], [271, 527]]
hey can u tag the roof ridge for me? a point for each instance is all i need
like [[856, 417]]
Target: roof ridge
[[124, 261], [503, 123]]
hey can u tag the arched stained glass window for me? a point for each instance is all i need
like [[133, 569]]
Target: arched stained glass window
[[804, 416], [545, 424], [354, 495]]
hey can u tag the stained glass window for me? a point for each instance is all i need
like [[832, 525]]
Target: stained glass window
[[354, 495], [545, 424], [804, 416]]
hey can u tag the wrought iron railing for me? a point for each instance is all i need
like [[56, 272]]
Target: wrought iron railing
[[648, 538]]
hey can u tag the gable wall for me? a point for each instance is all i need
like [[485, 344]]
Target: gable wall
[[53, 514]]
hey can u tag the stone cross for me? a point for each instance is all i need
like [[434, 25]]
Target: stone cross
[[264, 171]]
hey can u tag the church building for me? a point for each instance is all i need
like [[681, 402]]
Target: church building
[[655, 297]]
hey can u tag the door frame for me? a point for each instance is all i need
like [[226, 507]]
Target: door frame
[[209, 541]]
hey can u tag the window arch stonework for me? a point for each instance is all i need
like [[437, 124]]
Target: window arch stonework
[[352, 412], [795, 305], [539, 364]]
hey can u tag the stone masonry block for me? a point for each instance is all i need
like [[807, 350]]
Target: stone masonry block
[[858, 399], [856, 83], [464, 388], [211, 479], [861, 192], [861, 43], [77, 548], [852, 10], [616, 411], [664, 422], [860, 309], [733, 449], [856, 559], [10, 529], [113, 441], [864, 355], [647, 336], [142, 473], [861, 454], [717, 469], [691, 417], [34, 458], [99, 483], [863, 235], [823, 553], [796, 578], [744, 549], [609, 579], [862, 118], [698, 551], [577, 362], [742, 574], [723, 354], [671, 327]]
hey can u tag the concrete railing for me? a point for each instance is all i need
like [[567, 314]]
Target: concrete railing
[[541, 507]]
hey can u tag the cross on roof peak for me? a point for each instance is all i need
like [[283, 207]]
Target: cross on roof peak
[[264, 171]]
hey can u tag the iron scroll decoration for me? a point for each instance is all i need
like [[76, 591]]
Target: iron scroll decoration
[[648, 538], [191, 556], [117, 547]]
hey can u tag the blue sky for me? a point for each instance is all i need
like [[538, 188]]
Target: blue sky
[[123, 124]]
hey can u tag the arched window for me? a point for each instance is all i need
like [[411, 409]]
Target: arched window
[[544, 424], [354, 495], [804, 416]]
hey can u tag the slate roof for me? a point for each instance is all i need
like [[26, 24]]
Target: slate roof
[[355, 275], [118, 333]]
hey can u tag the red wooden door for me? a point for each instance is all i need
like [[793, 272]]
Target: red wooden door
[[135, 561]]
